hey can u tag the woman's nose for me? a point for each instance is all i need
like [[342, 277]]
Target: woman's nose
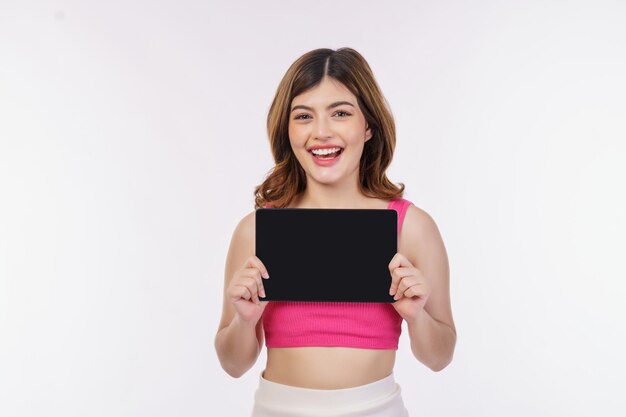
[[322, 128]]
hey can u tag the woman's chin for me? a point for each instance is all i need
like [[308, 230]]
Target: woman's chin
[[326, 178]]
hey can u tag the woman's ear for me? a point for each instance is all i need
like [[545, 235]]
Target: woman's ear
[[368, 133]]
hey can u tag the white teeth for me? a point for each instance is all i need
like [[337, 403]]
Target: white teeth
[[325, 151]]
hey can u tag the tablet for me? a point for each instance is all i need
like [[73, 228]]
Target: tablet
[[327, 254]]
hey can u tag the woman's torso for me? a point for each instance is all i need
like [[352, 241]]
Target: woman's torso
[[321, 367]]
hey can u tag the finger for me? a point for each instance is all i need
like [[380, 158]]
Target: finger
[[396, 276], [406, 281], [403, 293], [256, 275], [413, 291], [395, 281], [240, 292], [420, 289], [251, 284], [255, 262], [398, 260], [260, 288], [259, 283]]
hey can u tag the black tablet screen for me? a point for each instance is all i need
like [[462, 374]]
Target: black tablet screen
[[327, 254]]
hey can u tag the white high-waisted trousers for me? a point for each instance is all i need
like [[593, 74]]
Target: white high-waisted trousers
[[380, 398]]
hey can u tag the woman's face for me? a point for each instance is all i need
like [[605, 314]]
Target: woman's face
[[328, 116]]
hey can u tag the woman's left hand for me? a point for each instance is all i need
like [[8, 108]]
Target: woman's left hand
[[409, 287]]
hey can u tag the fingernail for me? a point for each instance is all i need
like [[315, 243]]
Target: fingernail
[[263, 293], [266, 276]]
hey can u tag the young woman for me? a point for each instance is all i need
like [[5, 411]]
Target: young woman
[[332, 137]]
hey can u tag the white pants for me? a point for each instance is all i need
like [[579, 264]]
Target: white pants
[[381, 398]]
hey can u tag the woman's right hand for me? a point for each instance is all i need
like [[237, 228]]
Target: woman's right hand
[[246, 287]]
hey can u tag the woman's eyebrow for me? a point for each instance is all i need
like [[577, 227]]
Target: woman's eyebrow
[[335, 104]]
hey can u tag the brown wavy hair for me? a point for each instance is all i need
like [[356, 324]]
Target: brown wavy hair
[[287, 179]]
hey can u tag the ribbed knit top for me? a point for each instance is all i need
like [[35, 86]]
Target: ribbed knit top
[[347, 324]]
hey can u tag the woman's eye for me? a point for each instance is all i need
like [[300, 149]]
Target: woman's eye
[[304, 116]]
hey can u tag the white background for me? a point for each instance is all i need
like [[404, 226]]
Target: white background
[[132, 135]]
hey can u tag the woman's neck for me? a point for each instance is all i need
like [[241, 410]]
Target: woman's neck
[[335, 201]]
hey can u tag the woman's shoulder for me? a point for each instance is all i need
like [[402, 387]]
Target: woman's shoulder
[[415, 217], [402, 204], [417, 220], [245, 228], [401, 200]]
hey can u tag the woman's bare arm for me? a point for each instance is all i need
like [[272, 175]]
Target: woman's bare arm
[[238, 343], [433, 334]]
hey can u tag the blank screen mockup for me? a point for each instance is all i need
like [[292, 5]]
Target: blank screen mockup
[[327, 254]]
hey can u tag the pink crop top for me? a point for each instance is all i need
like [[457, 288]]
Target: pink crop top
[[313, 323]]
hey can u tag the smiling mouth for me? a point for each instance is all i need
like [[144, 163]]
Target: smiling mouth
[[327, 156]]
